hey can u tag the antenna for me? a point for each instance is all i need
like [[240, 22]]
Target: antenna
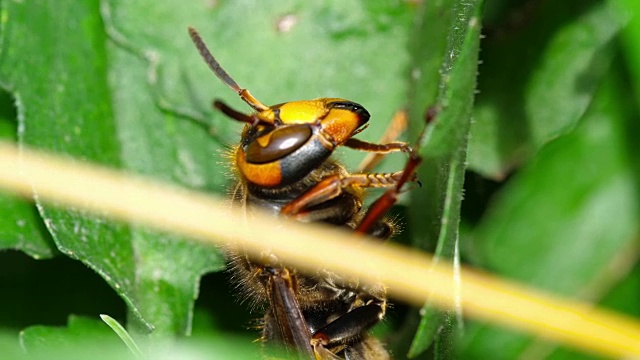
[[214, 65]]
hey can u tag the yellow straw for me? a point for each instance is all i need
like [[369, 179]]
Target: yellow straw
[[410, 276]]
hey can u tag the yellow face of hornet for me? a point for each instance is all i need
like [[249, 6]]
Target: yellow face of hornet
[[294, 138]]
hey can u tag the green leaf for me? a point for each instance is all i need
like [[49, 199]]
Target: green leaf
[[10, 347], [78, 334], [631, 41], [568, 222], [20, 226], [437, 209], [122, 333], [85, 338], [66, 106], [537, 79]]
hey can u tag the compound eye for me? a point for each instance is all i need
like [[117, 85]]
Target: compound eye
[[277, 144]]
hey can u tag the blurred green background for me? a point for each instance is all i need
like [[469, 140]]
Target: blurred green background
[[550, 146]]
